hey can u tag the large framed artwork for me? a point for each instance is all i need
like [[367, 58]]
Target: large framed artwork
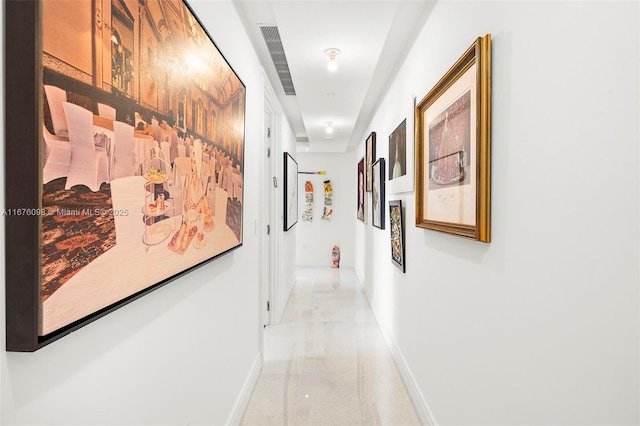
[[370, 154], [453, 167], [290, 191], [397, 234], [125, 158], [378, 193], [362, 211]]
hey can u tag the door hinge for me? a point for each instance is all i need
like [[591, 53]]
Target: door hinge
[[268, 132], [268, 306], [275, 182], [268, 229], [268, 152]]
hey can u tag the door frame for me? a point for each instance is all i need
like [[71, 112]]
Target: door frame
[[270, 244]]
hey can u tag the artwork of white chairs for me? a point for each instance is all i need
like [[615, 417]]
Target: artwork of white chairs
[[124, 164], [173, 147], [89, 164], [138, 118], [55, 97], [57, 156], [165, 148], [160, 161], [226, 176], [155, 125], [181, 167], [182, 150], [106, 111], [183, 164]]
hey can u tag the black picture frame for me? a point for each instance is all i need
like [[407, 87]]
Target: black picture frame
[[396, 231], [378, 193], [290, 214], [370, 154], [25, 155], [398, 151], [361, 213]]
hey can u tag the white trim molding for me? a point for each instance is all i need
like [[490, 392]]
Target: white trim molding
[[235, 417], [419, 402]]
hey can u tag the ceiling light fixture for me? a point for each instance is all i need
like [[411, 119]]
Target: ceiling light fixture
[[329, 128], [331, 55]]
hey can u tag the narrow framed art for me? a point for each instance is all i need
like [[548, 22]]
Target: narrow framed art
[[401, 175], [126, 162], [453, 148], [290, 191], [370, 154], [397, 234], [362, 211], [398, 152], [378, 193]]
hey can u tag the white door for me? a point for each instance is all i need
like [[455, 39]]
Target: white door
[[271, 226]]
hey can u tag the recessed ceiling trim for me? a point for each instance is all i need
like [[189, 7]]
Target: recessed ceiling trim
[[272, 39]]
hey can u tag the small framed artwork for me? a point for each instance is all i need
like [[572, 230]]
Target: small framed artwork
[[290, 191], [377, 188], [361, 192], [397, 234], [370, 154], [401, 155], [398, 152], [453, 176]]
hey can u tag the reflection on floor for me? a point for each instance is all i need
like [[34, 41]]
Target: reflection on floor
[[326, 363]]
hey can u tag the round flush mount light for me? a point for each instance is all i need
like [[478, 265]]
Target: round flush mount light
[[329, 128], [331, 55]]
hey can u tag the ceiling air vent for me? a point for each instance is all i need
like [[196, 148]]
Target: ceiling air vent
[[271, 37]]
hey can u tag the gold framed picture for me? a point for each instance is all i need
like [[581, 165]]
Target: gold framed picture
[[453, 147]]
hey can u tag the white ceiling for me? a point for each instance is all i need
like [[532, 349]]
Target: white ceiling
[[373, 36]]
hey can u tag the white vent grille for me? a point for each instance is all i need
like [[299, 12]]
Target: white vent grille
[[271, 37]]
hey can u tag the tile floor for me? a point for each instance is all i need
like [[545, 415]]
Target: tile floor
[[327, 363]]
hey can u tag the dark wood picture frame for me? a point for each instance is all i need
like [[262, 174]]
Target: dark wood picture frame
[[378, 193], [453, 148], [396, 229], [370, 154], [25, 156], [290, 166]]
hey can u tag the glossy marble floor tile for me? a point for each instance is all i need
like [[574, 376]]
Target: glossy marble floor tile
[[327, 363]]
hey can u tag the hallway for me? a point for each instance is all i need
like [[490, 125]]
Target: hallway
[[327, 363]]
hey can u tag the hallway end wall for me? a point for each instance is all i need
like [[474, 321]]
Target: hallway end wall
[[541, 325], [183, 354], [316, 238]]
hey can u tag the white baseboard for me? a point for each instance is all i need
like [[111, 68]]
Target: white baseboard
[[235, 417], [419, 402]]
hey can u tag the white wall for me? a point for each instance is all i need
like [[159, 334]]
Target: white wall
[[180, 354], [541, 325], [316, 238]]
